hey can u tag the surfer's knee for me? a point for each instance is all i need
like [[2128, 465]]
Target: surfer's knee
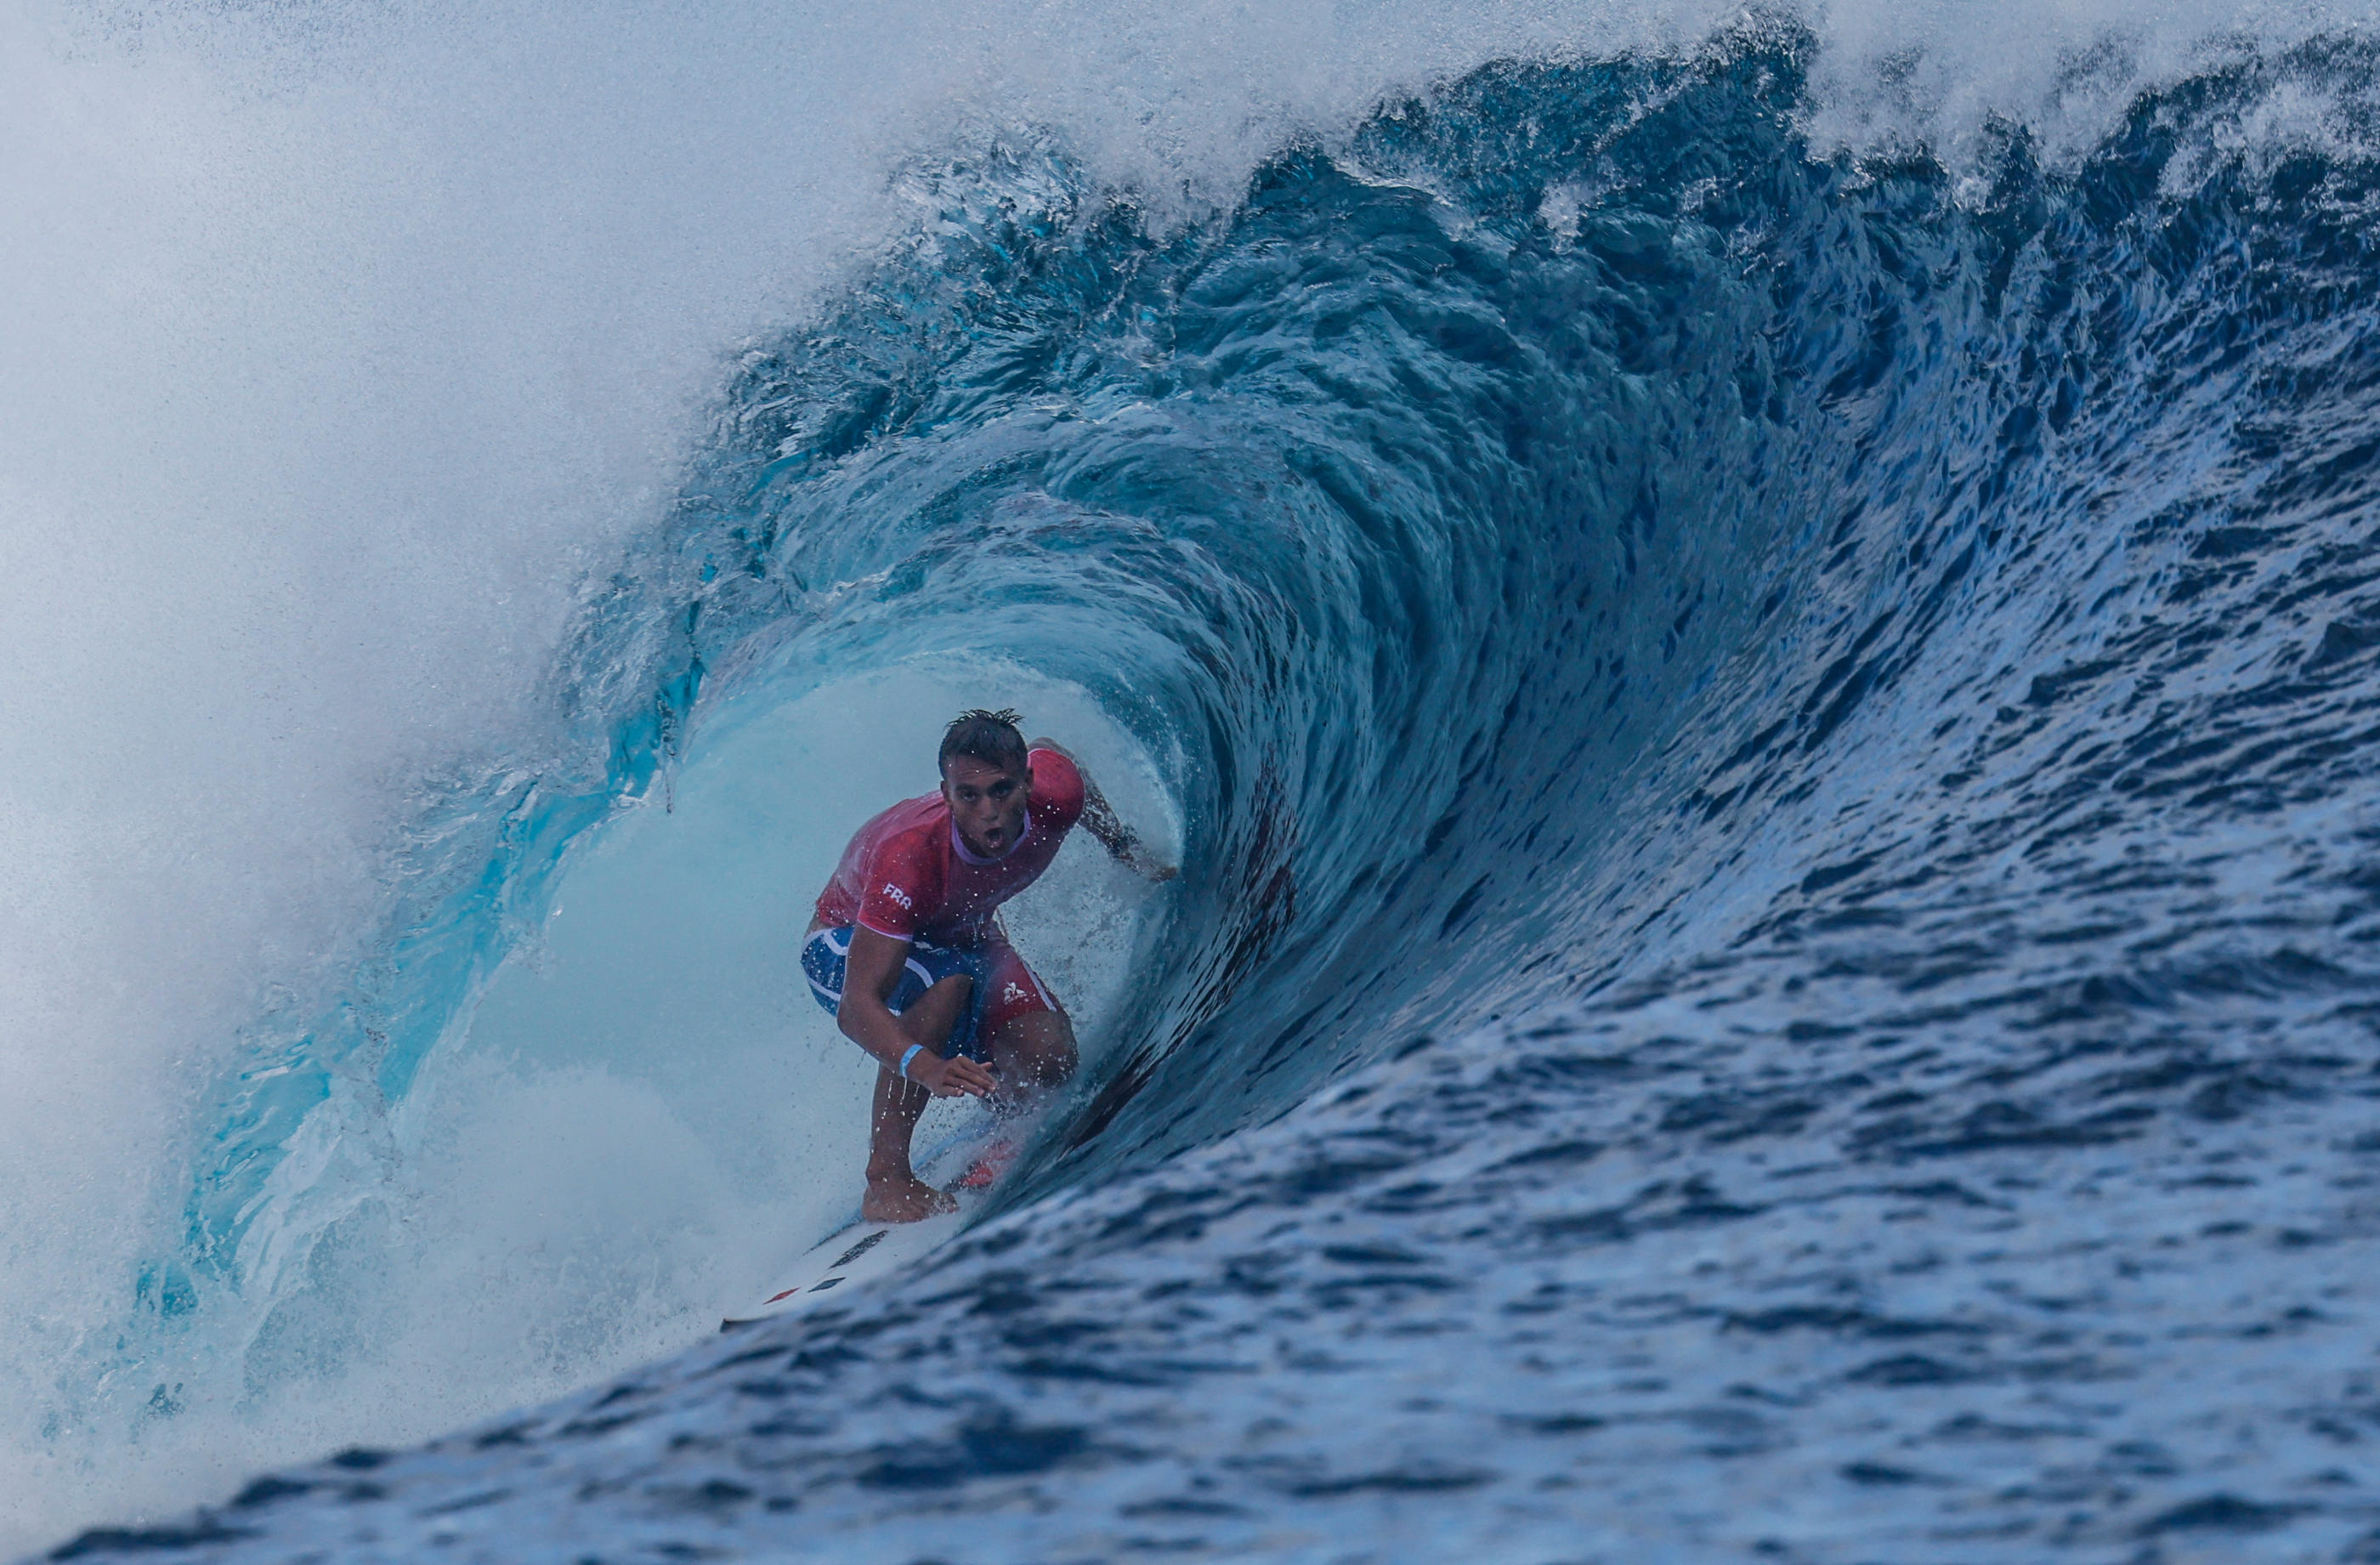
[[1039, 1049]]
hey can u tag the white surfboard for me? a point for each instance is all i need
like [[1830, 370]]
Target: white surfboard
[[860, 1252], [845, 1261]]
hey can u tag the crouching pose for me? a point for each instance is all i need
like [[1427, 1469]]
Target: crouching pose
[[908, 952]]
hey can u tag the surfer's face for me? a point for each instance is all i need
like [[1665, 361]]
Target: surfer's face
[[987, 804]]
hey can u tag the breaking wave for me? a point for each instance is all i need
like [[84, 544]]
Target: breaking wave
[[1674, 652]]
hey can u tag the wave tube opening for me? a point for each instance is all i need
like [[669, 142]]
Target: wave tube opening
[[645, 1109]]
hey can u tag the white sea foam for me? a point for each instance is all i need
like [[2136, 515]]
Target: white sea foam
[[338, 345]]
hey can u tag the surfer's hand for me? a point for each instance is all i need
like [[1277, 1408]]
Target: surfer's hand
[[1157, 869], [951, 1078]]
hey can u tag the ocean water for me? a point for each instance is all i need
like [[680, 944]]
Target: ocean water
[[1760, 636]]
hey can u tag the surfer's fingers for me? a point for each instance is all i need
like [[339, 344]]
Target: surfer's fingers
[[964, 1075]]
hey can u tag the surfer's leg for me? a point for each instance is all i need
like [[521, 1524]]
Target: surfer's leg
[[895, 1193], [1031, 1050], [1032, 1040], [1032, 1054], [930, 1002]]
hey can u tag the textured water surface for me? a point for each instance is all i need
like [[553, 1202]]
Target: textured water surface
[[1775, 958]]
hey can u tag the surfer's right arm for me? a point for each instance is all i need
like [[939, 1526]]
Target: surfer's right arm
[[870, 973], [1099, 819]]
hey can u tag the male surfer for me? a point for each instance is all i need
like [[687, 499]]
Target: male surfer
[[908, 952]]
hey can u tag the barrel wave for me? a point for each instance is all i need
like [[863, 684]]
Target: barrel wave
[[1773, 753]]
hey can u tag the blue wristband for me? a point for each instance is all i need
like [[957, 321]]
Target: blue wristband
[[914, 1049]]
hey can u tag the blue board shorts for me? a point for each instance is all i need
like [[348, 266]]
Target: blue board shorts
[[825, 952]]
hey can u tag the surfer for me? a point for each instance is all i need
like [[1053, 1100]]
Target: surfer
[[908, 952]]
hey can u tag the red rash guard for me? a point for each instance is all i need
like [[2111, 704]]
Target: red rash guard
[[907, 875]]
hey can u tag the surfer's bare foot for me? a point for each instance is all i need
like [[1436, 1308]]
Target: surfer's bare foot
[[905, 1198]]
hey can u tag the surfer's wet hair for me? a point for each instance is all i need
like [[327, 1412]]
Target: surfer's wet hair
[[993, 738]]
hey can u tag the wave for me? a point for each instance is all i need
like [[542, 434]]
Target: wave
[[1563, 544], [1502, 519]]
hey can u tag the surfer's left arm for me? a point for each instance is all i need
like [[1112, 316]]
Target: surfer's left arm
[[1123, 845]]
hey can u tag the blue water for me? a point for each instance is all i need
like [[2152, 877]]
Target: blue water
[[1774, 760]]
